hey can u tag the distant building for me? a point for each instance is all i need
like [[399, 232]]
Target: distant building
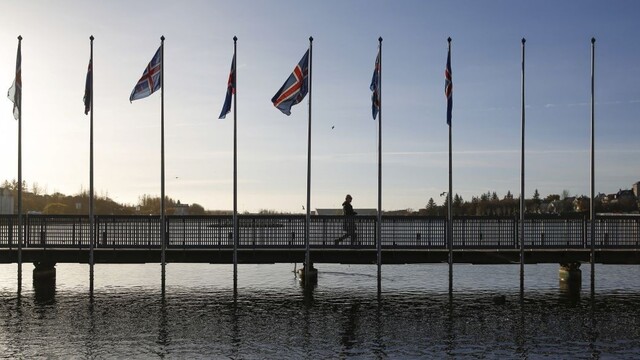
[[623, 195], [636, 189], [181, 209], [6, 202]]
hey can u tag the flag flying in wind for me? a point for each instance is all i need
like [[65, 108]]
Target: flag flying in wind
[[231, 90], [15, 91], [448, 87], [88, 88], [375, 87], [295, 88], [151, 79]]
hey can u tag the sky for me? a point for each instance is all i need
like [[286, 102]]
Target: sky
[[272, 147]]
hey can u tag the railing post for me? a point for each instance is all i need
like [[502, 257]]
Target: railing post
[[184, 232], [10, 233], [43, 239]]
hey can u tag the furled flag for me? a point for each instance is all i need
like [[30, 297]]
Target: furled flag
[[448, 88], [231, 90], [295, 88], [151, 79], [88, 88], [15, 91], [375, 87]]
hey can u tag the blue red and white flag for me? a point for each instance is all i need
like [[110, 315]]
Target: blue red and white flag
[[448, 88], [231, 90], [295, 88], [15, 91], [151, 79], [88, 88], [375, 87]]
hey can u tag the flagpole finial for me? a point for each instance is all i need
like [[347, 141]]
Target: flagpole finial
[[380, 39], [20, 37], [162, 37], [449, 39], [524, 41], [91, 38], [311, 38], [235, 38], [593, 40]]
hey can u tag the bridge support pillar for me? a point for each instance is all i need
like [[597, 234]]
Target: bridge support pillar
[[570, 277], [44, 280], [310, 274]]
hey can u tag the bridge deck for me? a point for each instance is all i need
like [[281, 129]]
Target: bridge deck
[[341, 256], [281, 239]]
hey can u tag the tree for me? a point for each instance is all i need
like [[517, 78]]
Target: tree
[[196, 209], [552, 197], [432, 208], [536, 195], [509, 195]]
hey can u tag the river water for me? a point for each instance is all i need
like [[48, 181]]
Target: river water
[[272, 316]]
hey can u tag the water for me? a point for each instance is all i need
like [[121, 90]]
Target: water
[[342, 317]]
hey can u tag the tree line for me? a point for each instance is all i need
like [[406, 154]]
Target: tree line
[[490, 204], [36, 200]]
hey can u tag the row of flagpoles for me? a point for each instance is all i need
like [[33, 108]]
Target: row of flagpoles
[[291, 93]]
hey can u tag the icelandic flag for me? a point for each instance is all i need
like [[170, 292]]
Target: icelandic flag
[[375, 87], [448, 88], [295, 88], [151, 79], [231, 90], [15, 91], [88, 88]]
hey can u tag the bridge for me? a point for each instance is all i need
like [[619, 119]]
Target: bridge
[[281, 239]]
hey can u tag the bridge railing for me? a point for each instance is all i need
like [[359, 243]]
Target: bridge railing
[[288, 231]]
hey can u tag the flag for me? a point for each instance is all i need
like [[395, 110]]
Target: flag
[[231, 90], [295, 88], [448, 88], [15, 91], [151, 79], [375, 87], [88, 88]]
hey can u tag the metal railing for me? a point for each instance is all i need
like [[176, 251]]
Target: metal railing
[[288, 231]]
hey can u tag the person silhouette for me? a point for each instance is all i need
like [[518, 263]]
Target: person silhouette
[[349, 224]]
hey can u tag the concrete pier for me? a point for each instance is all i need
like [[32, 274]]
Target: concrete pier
[[311, 274], [570, 277], [570, 272]]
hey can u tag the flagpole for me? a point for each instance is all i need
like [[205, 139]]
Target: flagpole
[[450, 202], [308, 267], [379, 227], [522, 195], [19, 169], [162, 213], [235, 170], [91, 210], [592, 214]]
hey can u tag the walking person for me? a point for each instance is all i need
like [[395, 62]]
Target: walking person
[[349, 224]]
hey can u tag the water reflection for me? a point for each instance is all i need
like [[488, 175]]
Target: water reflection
[[318, 322], [275, 325], [44, 291]]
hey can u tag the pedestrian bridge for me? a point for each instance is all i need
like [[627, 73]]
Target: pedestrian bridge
[[281, 238]]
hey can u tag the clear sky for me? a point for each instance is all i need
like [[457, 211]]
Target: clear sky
[[272, 148]]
